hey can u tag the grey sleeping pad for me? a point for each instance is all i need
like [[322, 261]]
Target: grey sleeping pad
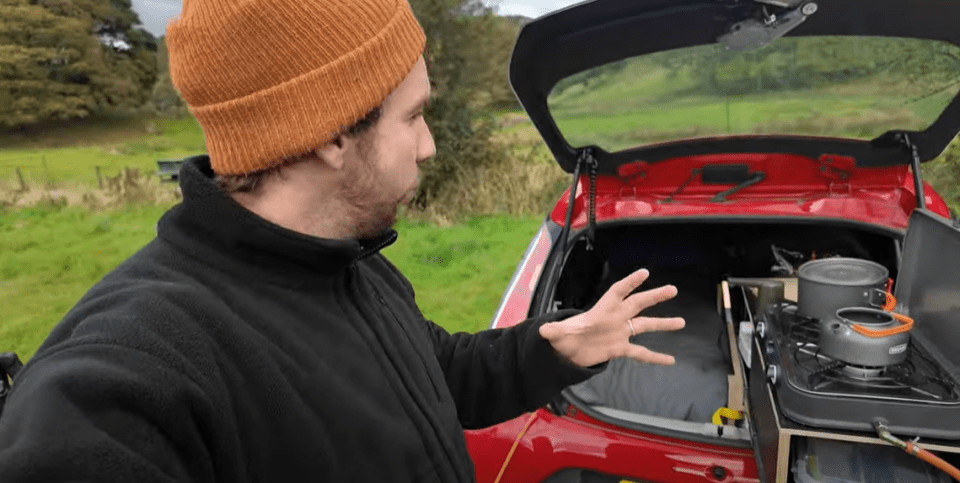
[[692, 389]]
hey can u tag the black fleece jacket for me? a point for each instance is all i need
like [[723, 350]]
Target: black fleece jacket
[[232, 350]]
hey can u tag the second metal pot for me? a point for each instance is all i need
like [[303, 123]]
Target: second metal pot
[[830, 284]]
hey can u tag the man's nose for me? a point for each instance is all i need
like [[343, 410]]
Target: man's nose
[[427, 147]]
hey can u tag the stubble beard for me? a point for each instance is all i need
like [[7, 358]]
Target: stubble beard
[[370, 218]]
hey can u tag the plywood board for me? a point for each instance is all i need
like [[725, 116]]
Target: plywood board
[[734, 382]]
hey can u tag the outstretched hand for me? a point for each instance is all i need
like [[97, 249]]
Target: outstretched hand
[[604, 332]]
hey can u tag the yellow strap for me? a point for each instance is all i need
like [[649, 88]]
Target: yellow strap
[[727, 413]]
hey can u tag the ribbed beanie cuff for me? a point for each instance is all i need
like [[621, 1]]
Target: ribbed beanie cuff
[[271, 79]]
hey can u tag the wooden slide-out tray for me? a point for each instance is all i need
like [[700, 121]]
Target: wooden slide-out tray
[[774, 434]]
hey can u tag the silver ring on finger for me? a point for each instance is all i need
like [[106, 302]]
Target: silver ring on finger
[[632, 331]]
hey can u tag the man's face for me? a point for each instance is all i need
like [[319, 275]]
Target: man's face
[[382, 172]]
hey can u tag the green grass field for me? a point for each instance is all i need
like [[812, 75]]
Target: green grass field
[[50, 257], [71, 156]]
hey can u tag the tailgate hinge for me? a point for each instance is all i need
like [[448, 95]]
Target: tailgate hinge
[[838, 170]]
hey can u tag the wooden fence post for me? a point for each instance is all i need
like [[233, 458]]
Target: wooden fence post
[[46, 172], [23, 184]]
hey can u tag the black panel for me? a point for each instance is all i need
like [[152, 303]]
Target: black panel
[[766, 436], [928, 286], [725, 173]]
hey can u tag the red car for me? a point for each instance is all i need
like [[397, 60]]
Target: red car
[[713, 141]]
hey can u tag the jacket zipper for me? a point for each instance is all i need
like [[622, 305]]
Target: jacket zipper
[[406, 336], [360, 280]]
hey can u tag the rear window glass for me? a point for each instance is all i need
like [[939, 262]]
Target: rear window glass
[[847, 87]]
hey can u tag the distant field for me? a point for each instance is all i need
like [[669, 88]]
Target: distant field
[[49, 258], [617, 124], [110, 145], [838, 87]]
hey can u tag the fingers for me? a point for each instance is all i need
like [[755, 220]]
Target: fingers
[[657, 324], [642, 354], [623, 288], [648, 298]]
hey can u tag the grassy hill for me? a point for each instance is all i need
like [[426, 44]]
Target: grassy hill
[[798, 86]]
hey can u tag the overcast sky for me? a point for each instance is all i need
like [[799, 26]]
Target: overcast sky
[[155, 13]]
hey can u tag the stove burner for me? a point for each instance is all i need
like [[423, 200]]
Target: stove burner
[[862, 372], [918, 395]]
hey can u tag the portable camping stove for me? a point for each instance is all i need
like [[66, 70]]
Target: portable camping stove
[[916, 396]]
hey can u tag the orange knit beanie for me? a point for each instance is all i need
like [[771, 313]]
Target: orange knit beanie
[[272, 79]]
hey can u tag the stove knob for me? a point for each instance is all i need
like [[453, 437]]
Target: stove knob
[[773, 373], [761, 329]]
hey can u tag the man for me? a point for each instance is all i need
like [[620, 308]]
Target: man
[[262, 337]]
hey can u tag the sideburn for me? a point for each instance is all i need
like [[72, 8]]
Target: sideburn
[[362, 175]]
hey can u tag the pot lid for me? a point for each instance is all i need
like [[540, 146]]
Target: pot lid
[[928, 286], [653, 80], [844, 271]]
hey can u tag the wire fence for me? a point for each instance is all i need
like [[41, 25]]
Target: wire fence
[[18, 165], [27, 180], [30, 172], [20, 172]]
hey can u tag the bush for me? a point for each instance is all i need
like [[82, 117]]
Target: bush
[[943, 174], [466, 55]]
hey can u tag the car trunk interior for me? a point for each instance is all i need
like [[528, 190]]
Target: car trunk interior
[[695, 257]]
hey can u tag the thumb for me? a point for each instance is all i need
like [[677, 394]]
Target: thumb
[[550, 331]]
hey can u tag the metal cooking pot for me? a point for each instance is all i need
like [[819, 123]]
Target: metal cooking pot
[[865, 337], [830, 284]]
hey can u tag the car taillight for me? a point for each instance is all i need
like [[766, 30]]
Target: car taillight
[[515, 303]]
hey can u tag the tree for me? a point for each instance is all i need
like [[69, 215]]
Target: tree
[[62, 59], [164, 98], [461, 85]]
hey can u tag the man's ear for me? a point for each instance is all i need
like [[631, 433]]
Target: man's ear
[[333, 154]]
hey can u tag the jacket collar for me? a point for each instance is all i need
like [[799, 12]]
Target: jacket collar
[[210, 225]]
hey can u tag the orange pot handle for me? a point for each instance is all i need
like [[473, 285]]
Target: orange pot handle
[[890, 303], [906, 323]]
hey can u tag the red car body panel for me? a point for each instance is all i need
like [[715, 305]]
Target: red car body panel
[[593, 445], [795, 187]]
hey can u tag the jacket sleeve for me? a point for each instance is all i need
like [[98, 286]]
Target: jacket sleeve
[[102, 413], [498, 374]]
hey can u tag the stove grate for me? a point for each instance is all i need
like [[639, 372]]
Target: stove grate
[[917, 378]]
